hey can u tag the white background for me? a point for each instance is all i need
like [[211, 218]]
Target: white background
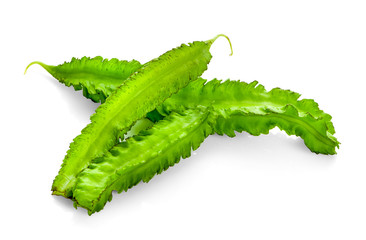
[[267, 187]]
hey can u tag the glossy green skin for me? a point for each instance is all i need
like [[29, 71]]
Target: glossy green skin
[[141, 157], [141, 93], [249, 107]]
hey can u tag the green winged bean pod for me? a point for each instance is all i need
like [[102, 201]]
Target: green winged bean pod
[[249, 107], [141, 157], [141, 93], [96, 77]]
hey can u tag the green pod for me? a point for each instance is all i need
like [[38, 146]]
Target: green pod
[[141, 93], [249, 107], [141, 157], [96, 77]]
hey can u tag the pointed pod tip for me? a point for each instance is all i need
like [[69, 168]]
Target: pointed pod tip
[[25, 71], [35, 62]]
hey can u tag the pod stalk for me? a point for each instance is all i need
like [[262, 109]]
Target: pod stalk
[[45, 66], [211, 41]]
